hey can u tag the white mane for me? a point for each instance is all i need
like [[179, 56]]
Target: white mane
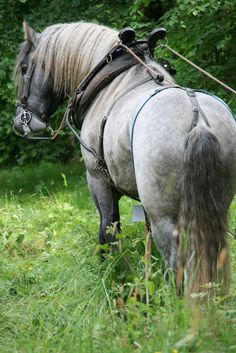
[[70, 51]]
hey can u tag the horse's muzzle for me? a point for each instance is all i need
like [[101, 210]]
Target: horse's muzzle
[[27, 122]]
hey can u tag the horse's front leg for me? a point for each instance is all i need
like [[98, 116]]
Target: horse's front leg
[[106, 199]]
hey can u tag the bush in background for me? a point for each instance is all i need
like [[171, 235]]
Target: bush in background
[[203, 30]]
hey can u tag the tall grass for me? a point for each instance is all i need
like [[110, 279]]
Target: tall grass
[[57, 296]]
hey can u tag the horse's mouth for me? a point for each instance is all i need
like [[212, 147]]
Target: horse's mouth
[[26, 123]]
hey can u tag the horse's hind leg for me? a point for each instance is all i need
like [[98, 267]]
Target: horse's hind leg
[[163, 228], [107, 202]]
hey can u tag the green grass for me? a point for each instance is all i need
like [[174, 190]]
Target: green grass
[[57, 296]]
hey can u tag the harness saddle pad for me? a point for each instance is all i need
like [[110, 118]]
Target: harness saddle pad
[[114, 63]]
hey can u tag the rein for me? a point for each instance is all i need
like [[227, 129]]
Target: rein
[[228, 88], [69, 122], [154, 74]]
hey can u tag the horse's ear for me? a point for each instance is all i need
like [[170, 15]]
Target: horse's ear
[[30, 34]]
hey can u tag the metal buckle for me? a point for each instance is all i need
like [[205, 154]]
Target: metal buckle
[[25, 118]]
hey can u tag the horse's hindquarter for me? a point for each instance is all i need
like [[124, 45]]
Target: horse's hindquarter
[[153, 120], [159, 132], [159, 135], [158, 140]]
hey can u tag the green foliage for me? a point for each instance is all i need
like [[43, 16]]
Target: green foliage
[[56, 294], [39, 14], [202, 30]]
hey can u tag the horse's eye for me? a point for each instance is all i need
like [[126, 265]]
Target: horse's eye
[[24, 69]]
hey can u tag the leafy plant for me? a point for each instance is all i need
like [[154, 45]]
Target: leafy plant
[[56, 294], [197, 29]]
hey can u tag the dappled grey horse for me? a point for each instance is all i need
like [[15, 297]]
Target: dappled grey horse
[[171, 148]]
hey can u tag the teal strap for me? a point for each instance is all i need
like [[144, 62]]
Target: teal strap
[[141, 108], [219, 99]]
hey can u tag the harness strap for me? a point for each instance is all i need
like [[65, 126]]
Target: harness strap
[[27, 77], [158, 90], [219, 99], [100, 158], [146, 79], [116, 61], [196, 109], [26, 90], [84, 96], [99, 164], [69, 121]]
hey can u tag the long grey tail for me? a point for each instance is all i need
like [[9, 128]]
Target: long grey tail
[[203, 212]]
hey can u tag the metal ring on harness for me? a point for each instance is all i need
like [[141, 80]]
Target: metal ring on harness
[[25, 117]]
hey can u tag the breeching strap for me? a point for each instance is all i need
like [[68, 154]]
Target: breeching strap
[[140, 109]]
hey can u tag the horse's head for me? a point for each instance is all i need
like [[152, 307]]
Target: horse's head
[[37, 99]]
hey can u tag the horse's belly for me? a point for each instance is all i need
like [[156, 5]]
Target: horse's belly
[[122, 174]]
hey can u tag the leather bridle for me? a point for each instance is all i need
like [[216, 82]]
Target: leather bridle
[[28, 114]]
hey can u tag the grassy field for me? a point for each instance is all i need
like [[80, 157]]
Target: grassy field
[[57, 296]]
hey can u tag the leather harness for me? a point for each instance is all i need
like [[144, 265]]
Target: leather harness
[[113, 64], [116, 61]]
